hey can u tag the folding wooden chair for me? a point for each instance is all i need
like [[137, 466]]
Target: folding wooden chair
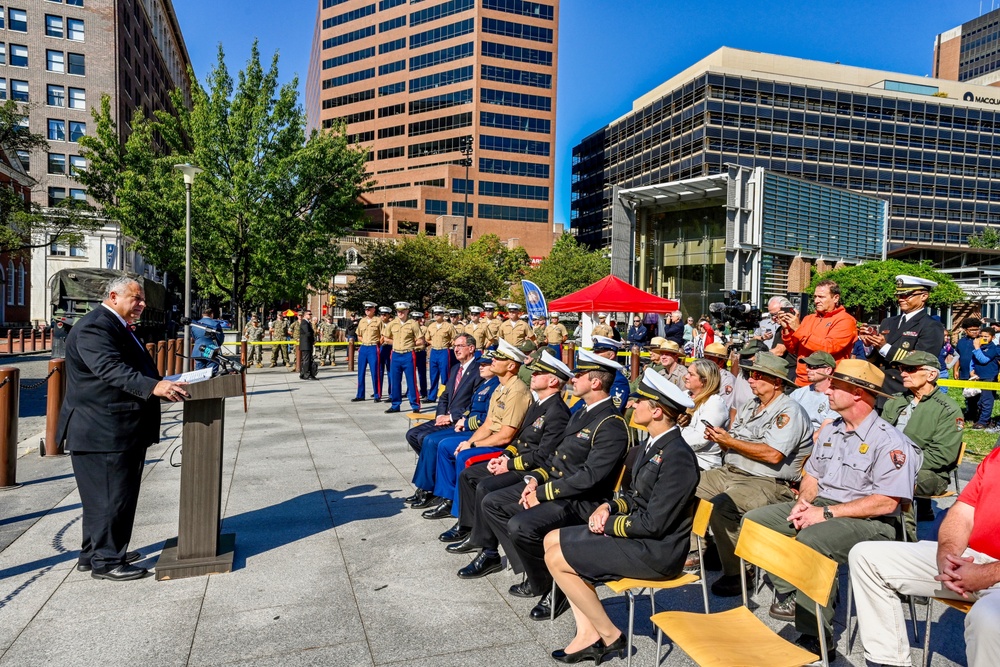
[[960, 605]]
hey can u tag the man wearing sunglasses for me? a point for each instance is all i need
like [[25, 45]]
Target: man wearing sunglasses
[[913, 329]]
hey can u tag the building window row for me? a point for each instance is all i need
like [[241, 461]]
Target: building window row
[[518, 213], [392, 24], [68, 63], [517, 30], [58, 194], [461, 186], [359, 117], [57, 129], [488, 142], [441, 79], [434, 147], [392, 89], [405, 203], [520, 54], [440, 11], [346, 79], [332, 3], [361, 137], [505, 121], [348, 37], [443, 101], [392, 110], [516, 76], [513, 190], [354, 56], [394, 45], [458, 208], [507, 98], [388, 153], [489, 165], [389, 4], [536, 10], [389, 68], [347, 17], [57, 26], [445, 55], [440, 124], [440, 34], [394, 131], [433, 183], [435, 207], [57, 164], [350, 98]]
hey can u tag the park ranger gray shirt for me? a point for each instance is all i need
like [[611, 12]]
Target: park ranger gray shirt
[[783, 425], [816, 404], [874, 459]]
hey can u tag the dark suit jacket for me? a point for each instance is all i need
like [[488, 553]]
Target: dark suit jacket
[[456, 403], [922, 332], [307, 335], [109, 404]]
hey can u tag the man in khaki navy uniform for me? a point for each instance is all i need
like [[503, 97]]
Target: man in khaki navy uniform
[[514, 330], [602, 328], [579, 475], [403, 334], [493, 322], [293, 334], [441, 333], [327, 334], [369, 334], [762, 457], [913, 329], [279, 330], [254, 333], [555, 335], [670, 368], [860, 473], [476, 327]]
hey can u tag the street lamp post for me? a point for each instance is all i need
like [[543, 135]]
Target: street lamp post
[[189, 171], [466, 150]]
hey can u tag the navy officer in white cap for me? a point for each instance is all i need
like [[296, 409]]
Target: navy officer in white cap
[[913, 329]]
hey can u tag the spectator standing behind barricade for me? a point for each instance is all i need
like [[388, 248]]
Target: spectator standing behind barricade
[[966, 365], [702, 382], [962, 565], [830, 329], [932, 420], [674, 329], [279, 329], [689, 330], [327, 334], [985, 353], [812, 397], [637, 333], [913, 329], [853, 486], [768, 332], [254, 333]]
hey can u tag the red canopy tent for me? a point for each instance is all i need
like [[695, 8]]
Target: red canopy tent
[[615, 295]]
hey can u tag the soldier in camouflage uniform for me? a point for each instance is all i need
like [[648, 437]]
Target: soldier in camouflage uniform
[[327, 334], [293, 334], [254, 333], [279, 332]]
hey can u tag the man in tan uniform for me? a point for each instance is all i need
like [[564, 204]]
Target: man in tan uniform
[[514, 330], [440, 334], [602, 328], [403, 334], [477, 328], [369, 333], [555, 335], [493, 323]]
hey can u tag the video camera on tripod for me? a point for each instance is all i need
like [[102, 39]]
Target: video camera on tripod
[[742, 318]]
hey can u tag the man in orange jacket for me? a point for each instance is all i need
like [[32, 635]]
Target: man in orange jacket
[[830, 329]]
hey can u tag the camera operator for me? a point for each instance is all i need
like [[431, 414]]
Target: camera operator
[[768, 332], [830, 329]]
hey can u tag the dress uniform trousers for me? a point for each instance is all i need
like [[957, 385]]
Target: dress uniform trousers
[[404, 364], [555, 350], [422, 372], [475, 483], [384, 362], [440, 365], [833, 538], [368, 359], [449, 465], [521, 531], [423, 475]]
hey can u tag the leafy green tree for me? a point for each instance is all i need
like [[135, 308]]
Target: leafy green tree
[[267, 207], [568, 268], [416, 269], [871, 286], [990, 238]]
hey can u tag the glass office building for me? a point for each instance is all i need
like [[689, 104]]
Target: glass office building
[[970, 52]]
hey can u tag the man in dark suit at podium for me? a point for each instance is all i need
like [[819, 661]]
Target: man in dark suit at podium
[[111, 414]]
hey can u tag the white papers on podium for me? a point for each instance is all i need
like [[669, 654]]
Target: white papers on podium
[[191, 376]]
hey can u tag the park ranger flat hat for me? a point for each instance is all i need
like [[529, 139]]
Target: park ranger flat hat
[[657, 388], [384, 310], [919, 358], [588, 361], [860, 373], [716, 350], [402, 305], [437, 310], [659, 344], [507, 351], [369, 304], [912, 283], [605, 343], [549, 364], [475, 310]]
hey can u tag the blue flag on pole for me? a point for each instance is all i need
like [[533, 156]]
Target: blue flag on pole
[[534, 300]]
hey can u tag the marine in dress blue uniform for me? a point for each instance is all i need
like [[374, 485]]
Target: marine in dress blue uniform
[[369, 334], [404, 334]]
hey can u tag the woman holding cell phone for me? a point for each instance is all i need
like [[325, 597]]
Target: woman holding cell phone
[[702, 382]]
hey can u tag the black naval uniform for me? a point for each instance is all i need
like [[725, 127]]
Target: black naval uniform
[[921, 332], [652, 520], [581, 472], [542, 429]]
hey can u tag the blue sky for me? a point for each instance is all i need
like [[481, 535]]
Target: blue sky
[[613, 51]]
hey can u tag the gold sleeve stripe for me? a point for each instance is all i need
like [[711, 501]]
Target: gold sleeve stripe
[[621, 505], [541, 471], [512, 449], [473, 423], [518, 463]]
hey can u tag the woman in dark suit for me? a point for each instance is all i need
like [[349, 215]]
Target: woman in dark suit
[[643, 534]]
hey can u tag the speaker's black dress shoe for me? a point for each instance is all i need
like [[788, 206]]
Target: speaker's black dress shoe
[[522, 590], [543, 610], [463, 547], [122, 573], [481, 566], [442, 511], [425, 502], [130, 557], [417, 496], [391, 411], [456, 533]]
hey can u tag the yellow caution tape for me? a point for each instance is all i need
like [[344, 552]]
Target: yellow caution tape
[[969, 384]]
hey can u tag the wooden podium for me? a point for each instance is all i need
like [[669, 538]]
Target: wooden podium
[[199, 547]]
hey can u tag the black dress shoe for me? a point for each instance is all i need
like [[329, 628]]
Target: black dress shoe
[[391, 410], [425, 502], [811, 644], [522, 590], [463, 547], [356, 400], [543, 610], [456, 533], [417, 496], [442, 511], [122, 573], [480, 566], [130, 557], [592, 652]]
